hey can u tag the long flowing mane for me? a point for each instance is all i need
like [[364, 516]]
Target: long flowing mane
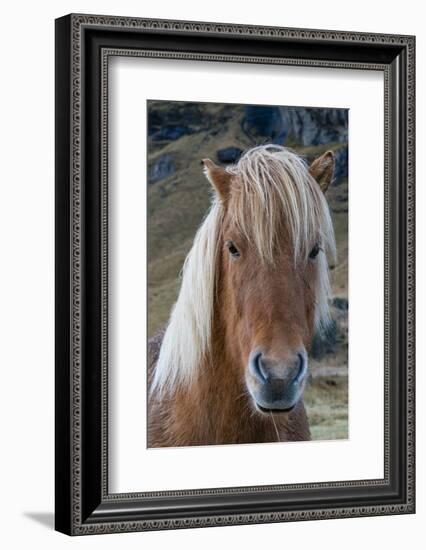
[[272, 194]]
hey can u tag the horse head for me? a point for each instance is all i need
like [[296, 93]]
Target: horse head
[[272, 283]]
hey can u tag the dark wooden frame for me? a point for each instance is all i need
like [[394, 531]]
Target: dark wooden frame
[[83, 46]]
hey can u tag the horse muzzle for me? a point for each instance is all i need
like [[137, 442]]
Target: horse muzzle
[[277, 385]]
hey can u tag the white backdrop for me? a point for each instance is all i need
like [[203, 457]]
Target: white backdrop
[[132, 81], [26, 313]]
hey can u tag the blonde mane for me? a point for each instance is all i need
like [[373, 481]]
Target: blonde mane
[[271, 192]]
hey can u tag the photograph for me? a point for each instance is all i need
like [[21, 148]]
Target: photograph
[[211, 251], [234, 271], [247, 229]]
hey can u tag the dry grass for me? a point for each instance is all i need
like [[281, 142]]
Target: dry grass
[[327, 407]]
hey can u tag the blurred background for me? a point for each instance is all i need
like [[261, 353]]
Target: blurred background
[[180, 134]]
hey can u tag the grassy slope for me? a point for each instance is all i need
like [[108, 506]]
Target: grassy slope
[[176, 207]]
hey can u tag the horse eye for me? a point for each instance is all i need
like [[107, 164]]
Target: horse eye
[[233, 250], [314, 252]]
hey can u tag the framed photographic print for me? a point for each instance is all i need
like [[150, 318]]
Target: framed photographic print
[[234, 274]]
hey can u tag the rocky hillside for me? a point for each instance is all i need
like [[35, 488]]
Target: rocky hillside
[[179, 136]]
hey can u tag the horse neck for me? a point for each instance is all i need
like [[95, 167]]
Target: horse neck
[[216, 408]]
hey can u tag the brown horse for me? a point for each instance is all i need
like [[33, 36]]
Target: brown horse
[[232, 364]]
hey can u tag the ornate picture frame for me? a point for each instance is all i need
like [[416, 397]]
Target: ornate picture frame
[[84, 44]]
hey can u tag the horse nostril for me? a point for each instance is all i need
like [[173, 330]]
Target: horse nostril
[[301, 367], [258, 368], [262, 369]]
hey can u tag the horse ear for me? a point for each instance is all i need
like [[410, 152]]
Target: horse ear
[[218, 177], [322, 170]]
